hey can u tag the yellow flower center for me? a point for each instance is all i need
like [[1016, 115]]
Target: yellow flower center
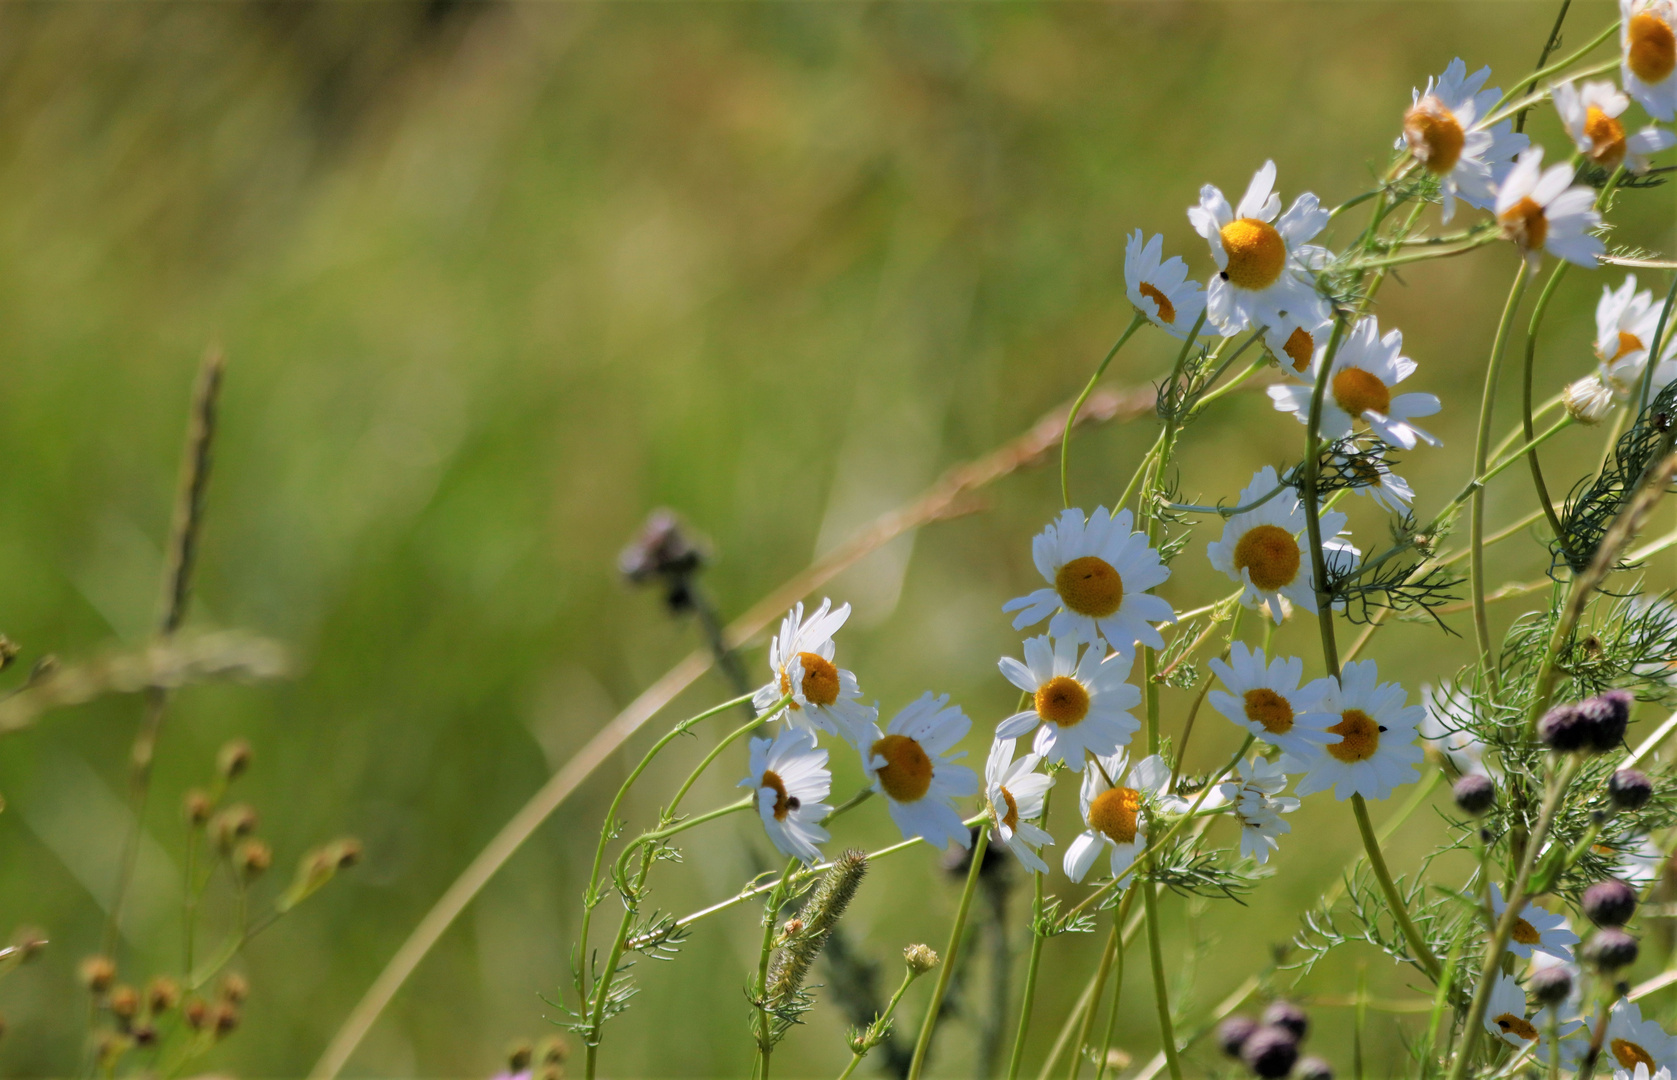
[[1356, 391], [1264, 706], [1652, 50], [907, 772], [1516, 1025], [1525, 224], [820, 684], [1360, 736], [783, 804], [1256, 254], [1525, 933], [1114, 812], [1300, 347], [1167, 310], [1269, 554], [1628, 343], [1011, 818], [1607, 138], [1063, 700], [1629, 1055], [1090, 586], [1434, 135]]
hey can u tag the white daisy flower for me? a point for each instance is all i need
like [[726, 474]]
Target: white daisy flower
[[1365, 369], [910, 764], [1294, 341], [1161, 290], [1633, 1041], [1536, 930], [1505, 1013], [1444, 733], [1081, 704], [1625, 320], [1014, 792], [1100, 571], [1591, 117], [1267, 548], [1263, 268], [1378, 481], [1117, 816], [790, 778], [1377, 750], [1439, 130], [1258, 806], [1641, 1073], [1540, 210], [1268, 702], [824, 696], [1648, 52]]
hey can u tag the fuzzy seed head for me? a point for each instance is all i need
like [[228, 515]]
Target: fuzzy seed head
[[97, 973], [233, 760], [253, 857], [124, 1001], [1605, 718], [196, 1011], [1475, 794], [162, 994], [197, 807], [920, 959], [519, 1056], [234, 988]]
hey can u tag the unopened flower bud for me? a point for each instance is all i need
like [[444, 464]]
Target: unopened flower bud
[[1609, 903], [1605, 718], [124, 1001], [1284, 1014], [1588, 400], [197, 806], [1233, 1033], [1475, 794], [1630, 789], [234, 987], [224, 1017], [1550, 985], [1314, 1068], [920, 958], [519, 1055], [197, 1013], [553, 1051], [162, 994], [1270, 1052], [232, 824], [1561, 729], [97, 973], [1610, 950], [144, 1035], [347, 851], [233, 759], [253, 857]]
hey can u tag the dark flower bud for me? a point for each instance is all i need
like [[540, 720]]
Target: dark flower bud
[[518, 1056], [1550, 985], [224, 1017], [197, 806], [232, 824], [1233, 1033], [1475, 794], [233, 759], [1561, 729], [1314, 1068], [1609, 903], [553, 1051], [1610, 950], [663, 552], [253, 857], [234, 987], [1605, 718], [197, 1012], [97, 973], [124, 1001], [162, 994], [1630, 789], [144, 1035], [1270, 1052], [1284, 1014]]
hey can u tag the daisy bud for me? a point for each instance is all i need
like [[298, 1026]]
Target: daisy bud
[[232, 824], [1588, 401], [162, 994], [1233, 1033], [124, 1001], [519, 1055], [1284, 1014], [233, 759], [1630, 789], [97, 973], [253, 857], [1475, 794], [1605, 718], [1550, 985], [1561, 729], [1609, 903], [234, 988], [197, 806], [920, 959], [1610, 950], [197, 1013], [1270, 1052], [1314, 1068]]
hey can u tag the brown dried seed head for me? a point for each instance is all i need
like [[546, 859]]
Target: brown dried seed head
[[232, 824], [197, 806], [234, 987], [253, 857], [225, 1017], [233, 759], [162, 994], [124, 1001], [519, 1055], [197, 1012], [97, 973]]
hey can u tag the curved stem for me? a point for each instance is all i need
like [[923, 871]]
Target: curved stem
[[879, 1023], [1313, 512], [1476, 509], [1526, 417], [727, 740], [1654, 348], [951, 954], [1394, 899], [1077, 406]]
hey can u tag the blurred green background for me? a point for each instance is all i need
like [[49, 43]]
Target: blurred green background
[[496, 280]]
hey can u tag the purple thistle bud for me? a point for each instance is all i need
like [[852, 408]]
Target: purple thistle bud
[[1270, 1052], [1609, 903], [1630, 789]]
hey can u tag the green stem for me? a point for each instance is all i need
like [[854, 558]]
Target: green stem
[[1161, 991], [1394, 899], [1028, 998], [1312, 512], [760, 990], [1482, 446], [647, 839], [1077, 406], [951, 955], [1117, 995], [1526, 418], [1114, 945], [1654, 348]]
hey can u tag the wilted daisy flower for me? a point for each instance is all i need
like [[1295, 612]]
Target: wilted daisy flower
[[1263, 268], [1258, 806], [1117, 815], [1377, 480], [1591, 116], [1161, 290], [1633, 1041], [1648, 50], [1540, 210], [1294, 342], [1505, 1013], [1444, 733], [910, 764], [1014, 793], [1377, 750], [1081, 704], [790, 778], [1267, 550], [1536, 930], [1100, 571], [823, 695], [1439, 130], [1365, 369], [1268, 702]]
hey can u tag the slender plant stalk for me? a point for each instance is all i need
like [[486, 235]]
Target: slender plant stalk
[[1112, 1012], [1114, 946], [1394, 899], [1476, 509], [1161, 989], [951, 955], [760, 989], [1654, 348], [1028, 996], [1526, 417], [1077, 406], [884, 1018]]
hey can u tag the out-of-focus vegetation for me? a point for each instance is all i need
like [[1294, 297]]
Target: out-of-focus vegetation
[[494, 281]]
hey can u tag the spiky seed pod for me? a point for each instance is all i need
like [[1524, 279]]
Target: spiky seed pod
[[1233, 1033], [1270, 1052], [820, 913], [1284, 1014], [1550, 986], [233, 759], [1610, 950], [1475, 794], [920, 959], [1605, 718], [1609, 903], [1630, 789], [162, 994], [1561, 729], [97, 973], [1314, 1068]]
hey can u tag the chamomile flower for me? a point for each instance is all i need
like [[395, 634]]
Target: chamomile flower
[[790, 779], [1258, 806], [1505, 1013], [1376, 751], [1269, 703], [824, 696], [1373, 470], [1633, 1041], [1263, 263], [1266, 548], [910, 764], [1365, 369], [1293, 341], [1439, 130], [1641, 1073], [1014, 792], [1625, 320], [1536, 930], [1082, 704], [1117, 813], [1100, 571], [1591, 116], [1540, 210], [1159, 289], [1648, 54]]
